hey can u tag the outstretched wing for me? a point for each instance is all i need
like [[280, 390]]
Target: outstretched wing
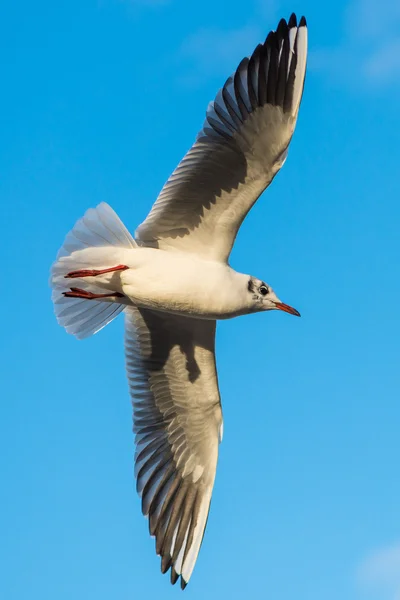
[[242, 145], [177, 419]]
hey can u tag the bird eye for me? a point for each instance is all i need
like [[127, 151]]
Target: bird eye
[[263, 290]]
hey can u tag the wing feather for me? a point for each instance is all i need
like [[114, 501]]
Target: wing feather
[[177, 418], [241, 147]]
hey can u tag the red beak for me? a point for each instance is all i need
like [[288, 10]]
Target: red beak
[[287, 308]]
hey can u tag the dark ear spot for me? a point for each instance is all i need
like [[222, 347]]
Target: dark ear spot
[[250, 285]]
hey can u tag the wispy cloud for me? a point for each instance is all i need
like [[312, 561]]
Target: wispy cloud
[[384, 64], [213, 51], [146, 3], [267, 9], [369, 52], [216, 51], [134, 8], [369, 20], [379, 573]]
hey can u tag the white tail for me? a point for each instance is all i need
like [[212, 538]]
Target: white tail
[[98, 240]]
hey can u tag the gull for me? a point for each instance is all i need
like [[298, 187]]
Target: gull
[[173, 281]]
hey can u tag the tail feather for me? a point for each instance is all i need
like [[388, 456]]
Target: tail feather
[[83, 318], [95, 241], [99, 227]]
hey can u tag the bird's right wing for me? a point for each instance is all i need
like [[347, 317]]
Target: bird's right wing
[[241, 147], [177, 419]]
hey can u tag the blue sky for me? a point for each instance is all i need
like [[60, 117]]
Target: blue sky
[[100, 100]]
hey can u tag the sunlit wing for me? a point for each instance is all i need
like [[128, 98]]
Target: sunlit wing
[[242, 145], [177, 420]]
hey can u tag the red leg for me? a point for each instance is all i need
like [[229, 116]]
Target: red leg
[[78, 293], [95, 272]]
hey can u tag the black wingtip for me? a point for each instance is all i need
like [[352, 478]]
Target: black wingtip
[[183, 583], [292, 21], [303, 22], [282, 27], [270, 39], [174, 576], [166, 562]]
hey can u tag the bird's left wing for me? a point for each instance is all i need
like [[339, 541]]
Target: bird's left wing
[[177, 420], [241, 147]]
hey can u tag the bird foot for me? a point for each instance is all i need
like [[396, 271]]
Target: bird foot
[[94, 272], [79, 293]]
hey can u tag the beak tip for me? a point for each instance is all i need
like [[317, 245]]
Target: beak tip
[[287, 308]]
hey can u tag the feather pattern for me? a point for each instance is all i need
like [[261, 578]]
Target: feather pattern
[[177, 419], [237, 153]]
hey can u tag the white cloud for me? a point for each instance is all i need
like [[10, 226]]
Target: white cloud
[[267, 9], [369, 53], [384, 64], [216, 51], [149, 3], [369, 19], [379, 573]]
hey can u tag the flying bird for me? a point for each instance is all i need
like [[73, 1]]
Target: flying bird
[[173, 281]]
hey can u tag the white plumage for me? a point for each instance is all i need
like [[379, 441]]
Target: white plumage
[[173, 282]]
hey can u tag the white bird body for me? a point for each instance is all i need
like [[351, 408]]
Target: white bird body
[[174, 281], [185, 284]]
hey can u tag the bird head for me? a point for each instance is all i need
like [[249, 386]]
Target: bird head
[[263, 297]]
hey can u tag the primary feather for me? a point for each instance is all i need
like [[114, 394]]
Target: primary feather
[[241, 147]]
